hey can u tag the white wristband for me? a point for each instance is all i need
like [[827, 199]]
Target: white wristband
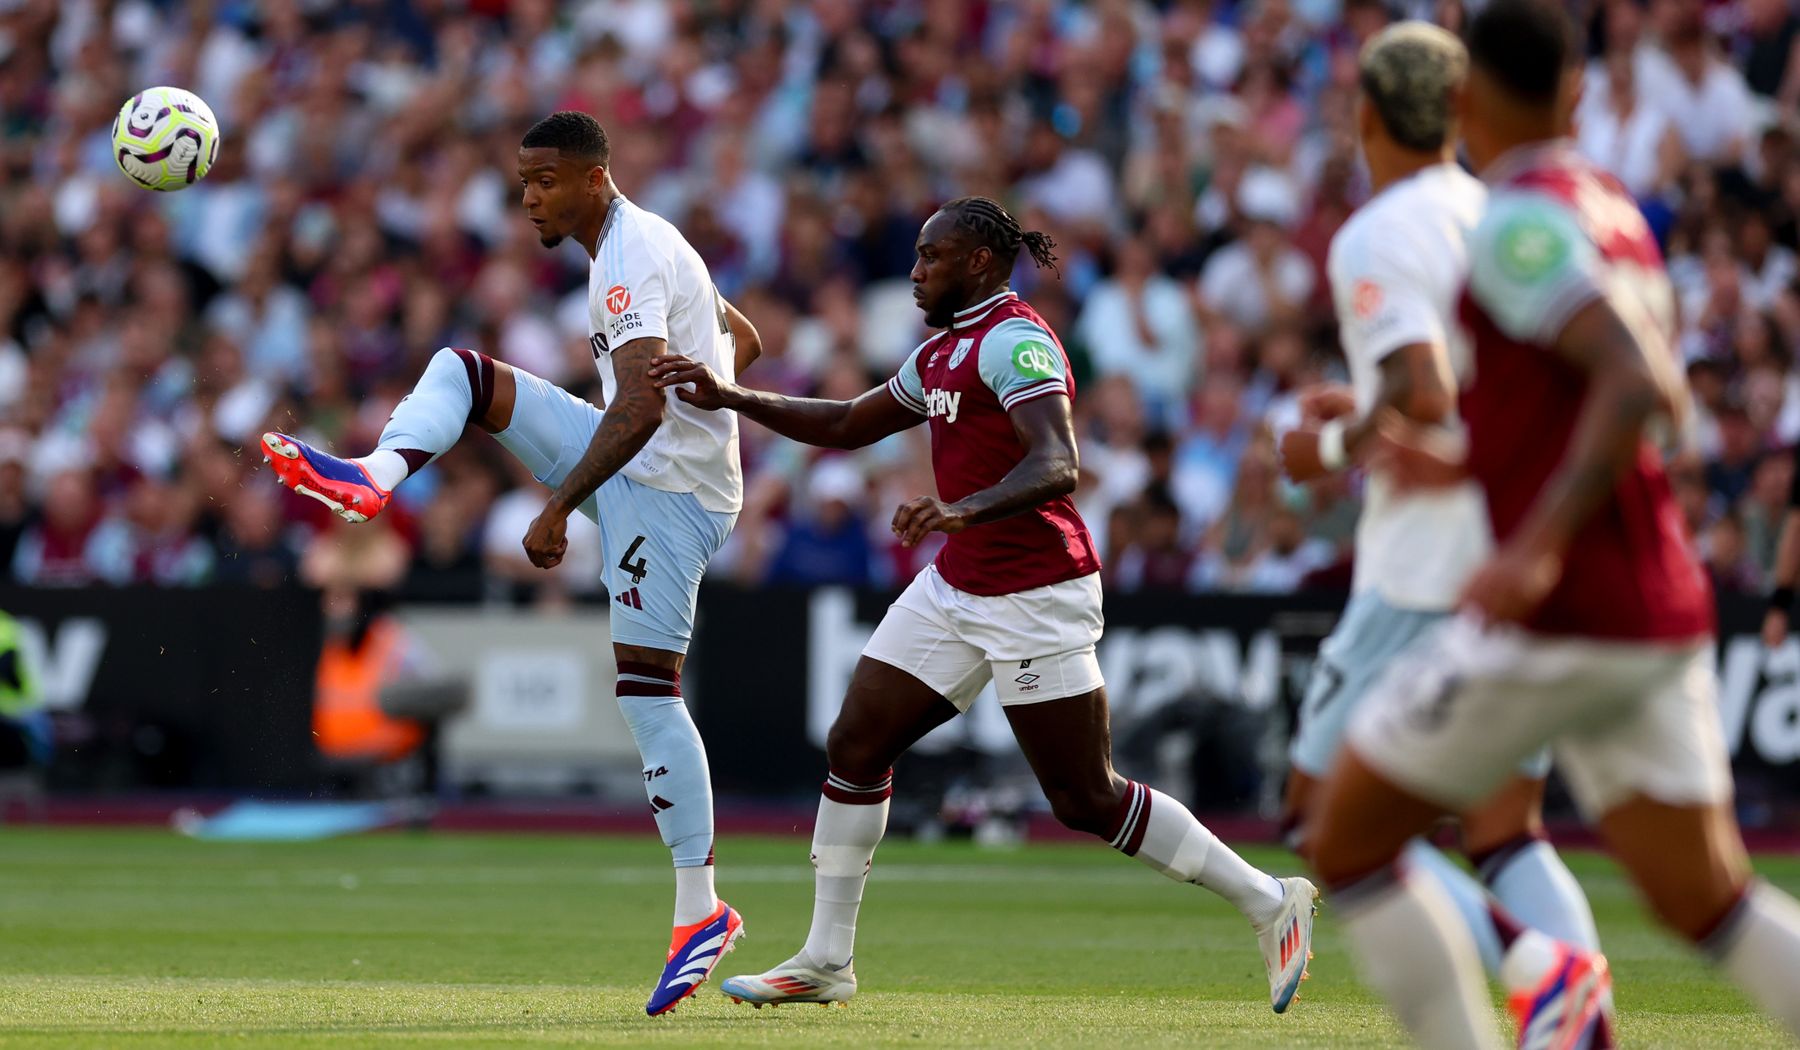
[[1331, 445]]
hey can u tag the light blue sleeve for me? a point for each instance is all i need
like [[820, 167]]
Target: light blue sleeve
[[1532, 266], [1020, 361], [907, 386]]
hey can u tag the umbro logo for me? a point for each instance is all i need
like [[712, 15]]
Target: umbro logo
[[1026, 679]]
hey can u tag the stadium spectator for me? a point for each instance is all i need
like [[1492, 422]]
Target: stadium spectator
[[1140, 324], [1706, 98], [1261, 278], [828, 541], [1627, 134]]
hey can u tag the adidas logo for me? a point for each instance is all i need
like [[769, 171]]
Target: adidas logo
[[629, 599]]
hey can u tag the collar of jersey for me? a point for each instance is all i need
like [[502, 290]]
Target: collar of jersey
[[965, 318], [612, 212], [1523, 158]]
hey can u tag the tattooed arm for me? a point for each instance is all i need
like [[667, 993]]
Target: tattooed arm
[[631, 417]]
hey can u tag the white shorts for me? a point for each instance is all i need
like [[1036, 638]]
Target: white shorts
[[1452, 719], [1035, 645]]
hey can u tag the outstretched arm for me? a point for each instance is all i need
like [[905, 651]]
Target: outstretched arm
[[1046, 427], [811, 421], [631, 417]]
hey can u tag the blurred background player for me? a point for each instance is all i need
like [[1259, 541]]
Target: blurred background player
[[26, 737], [660, 478], [1014, 598], [1779, 618], [1397, 268], [1591, 624]]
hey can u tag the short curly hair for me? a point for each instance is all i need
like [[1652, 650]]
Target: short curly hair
[[572, 133], [1409, 71]]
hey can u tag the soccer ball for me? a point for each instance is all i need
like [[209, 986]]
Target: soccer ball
[[165, 139]]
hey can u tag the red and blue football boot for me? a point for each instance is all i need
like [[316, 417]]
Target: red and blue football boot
[[693, 952], [343, 486]]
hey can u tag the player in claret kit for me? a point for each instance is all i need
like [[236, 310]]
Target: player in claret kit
[[659, 477], [1013, 598], [1590, 627], [1397, 269]]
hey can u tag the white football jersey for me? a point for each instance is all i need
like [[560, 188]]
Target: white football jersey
[[1397, 269], [646, 281]]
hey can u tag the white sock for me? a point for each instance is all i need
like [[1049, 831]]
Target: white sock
[[428, 421], [1412, 949], [1161, 832], [843, 847], [695, 900], [1534, 884], [1465, 893], [386, 466], [1758, 947]]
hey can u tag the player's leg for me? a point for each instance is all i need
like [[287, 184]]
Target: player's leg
[[914, 676], [457, 388], [1369, 636], [1068, 742], [886, 710], [1660, 777], [1504, 838], [655, 546], [1403, 929], [1445, 729]]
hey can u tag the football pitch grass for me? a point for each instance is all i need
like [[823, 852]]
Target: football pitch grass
[[141, 938]]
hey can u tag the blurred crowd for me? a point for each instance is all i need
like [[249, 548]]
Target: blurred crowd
[[1192, 159]]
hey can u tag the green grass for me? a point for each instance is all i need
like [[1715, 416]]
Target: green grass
[[146, 939]]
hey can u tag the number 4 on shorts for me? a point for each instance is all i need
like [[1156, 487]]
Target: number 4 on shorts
[[637, 569]]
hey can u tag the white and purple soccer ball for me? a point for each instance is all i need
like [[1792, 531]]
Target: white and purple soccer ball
[[165, 139]]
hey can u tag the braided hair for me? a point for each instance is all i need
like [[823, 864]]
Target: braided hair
[[994, 226]]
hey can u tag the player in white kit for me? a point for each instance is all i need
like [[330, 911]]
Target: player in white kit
[[1397, 269], [660, 477]]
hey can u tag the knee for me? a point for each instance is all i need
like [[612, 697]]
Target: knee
[[1694, 911], [1341, 852], [1090, 810], [855, 755], [1333, 857]]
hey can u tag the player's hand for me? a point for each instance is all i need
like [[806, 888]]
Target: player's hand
[[1415, 457], [677, 371], [1511, 585], [547, 540], [923, 515], [1300, 455], [1324, 402], [1775, 628]]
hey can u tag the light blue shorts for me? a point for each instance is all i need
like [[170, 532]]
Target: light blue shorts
[[655, 545], [1368, 637]]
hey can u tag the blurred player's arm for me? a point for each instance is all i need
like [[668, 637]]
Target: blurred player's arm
[[1416, 385], [1787, 568], [827, 424], [1537, 275], [1045, 426], [630, 419], [1624, 394], [743, 335]]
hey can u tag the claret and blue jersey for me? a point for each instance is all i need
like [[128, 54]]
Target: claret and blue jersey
[[996, 355]]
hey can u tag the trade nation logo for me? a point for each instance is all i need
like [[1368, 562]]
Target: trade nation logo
[[618, 299]]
